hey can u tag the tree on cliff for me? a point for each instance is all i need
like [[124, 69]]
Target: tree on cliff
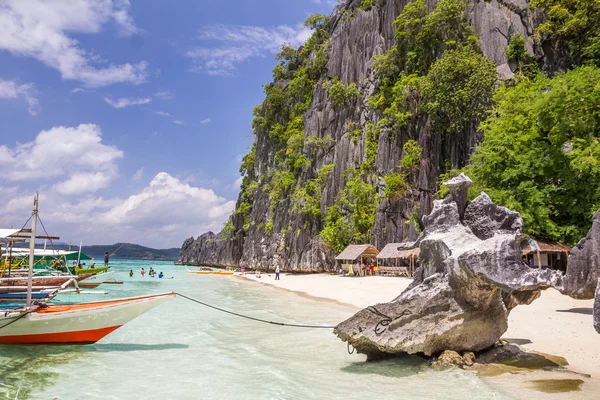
[[541, 152]]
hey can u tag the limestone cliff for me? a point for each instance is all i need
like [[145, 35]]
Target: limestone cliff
[[270, 231]]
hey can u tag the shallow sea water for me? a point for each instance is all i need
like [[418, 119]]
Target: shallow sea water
[[182, 350]]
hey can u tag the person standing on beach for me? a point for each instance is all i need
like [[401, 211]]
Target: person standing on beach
[[277, 273], [106, 257]]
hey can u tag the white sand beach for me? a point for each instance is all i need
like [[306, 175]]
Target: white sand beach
[[553, 324]]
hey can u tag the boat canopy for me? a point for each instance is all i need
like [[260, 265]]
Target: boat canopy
[[6, 233], [51, 254]]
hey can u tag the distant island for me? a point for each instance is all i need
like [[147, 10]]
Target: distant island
[[130, 250], [120, 250]]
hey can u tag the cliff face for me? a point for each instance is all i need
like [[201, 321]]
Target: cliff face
[[293, 240]]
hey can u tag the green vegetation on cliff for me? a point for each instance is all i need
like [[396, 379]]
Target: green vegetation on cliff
[[436, 68], [281, 117], [541, 153], [575, 23], [539, 156]]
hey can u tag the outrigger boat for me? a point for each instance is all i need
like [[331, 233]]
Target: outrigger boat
[[96, 280], [83, 323], [208, 271], [73, 324]]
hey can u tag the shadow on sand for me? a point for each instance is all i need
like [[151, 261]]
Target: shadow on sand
[[517, 341], [583, 310]]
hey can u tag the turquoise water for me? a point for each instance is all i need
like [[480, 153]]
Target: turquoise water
[[181, 350]]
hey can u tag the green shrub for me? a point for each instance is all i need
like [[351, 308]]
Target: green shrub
[[367, 4], [412, 154], [269, 227], [459, 89], [395, 186], [340, 94]]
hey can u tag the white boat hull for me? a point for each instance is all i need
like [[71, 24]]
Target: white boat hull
[[75, 324]]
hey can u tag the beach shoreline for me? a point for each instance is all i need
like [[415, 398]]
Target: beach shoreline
[[553, 324]]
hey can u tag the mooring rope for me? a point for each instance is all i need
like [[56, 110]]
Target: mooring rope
[[24, 314], [353, 348], [256, 319], [385, 320]]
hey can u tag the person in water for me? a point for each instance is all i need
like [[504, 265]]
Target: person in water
[[160, 275], [130, 273], [277, 273], [143, 271], [106, 258]]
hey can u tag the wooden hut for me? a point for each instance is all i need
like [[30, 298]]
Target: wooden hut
[[393, 260], [356, 255], [540, 253]]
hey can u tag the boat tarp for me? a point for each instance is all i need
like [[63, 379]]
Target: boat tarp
[[6, 233], [51, 254]]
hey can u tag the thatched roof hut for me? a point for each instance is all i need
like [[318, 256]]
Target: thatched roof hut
[[390, 255], [355, 251], [544, 246], [543, 253], [394, 250]]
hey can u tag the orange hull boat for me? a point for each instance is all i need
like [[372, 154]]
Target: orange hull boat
[[74, 324]]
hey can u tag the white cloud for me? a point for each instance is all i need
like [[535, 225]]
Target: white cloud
[[11, 90], [177, 122], [138, 174], [234, 44], [235, 185], [161, 215], [327, 2], [163, 113], [126, 102], [84, 183], [164, 95], [205, 121], [75, 154], [40, 29]]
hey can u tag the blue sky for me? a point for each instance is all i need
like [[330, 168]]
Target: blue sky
[[131, 117]]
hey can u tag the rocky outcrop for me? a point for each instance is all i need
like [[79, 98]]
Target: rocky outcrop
[[355, 37], [471, 276], [451, 358], [583, 269], [597, 309], [208, 249]]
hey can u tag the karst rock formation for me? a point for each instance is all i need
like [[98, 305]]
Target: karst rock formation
[[471, 276]]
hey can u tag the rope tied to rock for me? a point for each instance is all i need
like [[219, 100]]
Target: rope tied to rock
[[385, 320], [256, 319], [353, 348]]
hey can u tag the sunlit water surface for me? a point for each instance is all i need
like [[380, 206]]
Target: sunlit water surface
[[182, 350]]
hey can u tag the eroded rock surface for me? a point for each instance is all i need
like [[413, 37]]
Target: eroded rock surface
[[597, 309], [471, 276], [583, 269]]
